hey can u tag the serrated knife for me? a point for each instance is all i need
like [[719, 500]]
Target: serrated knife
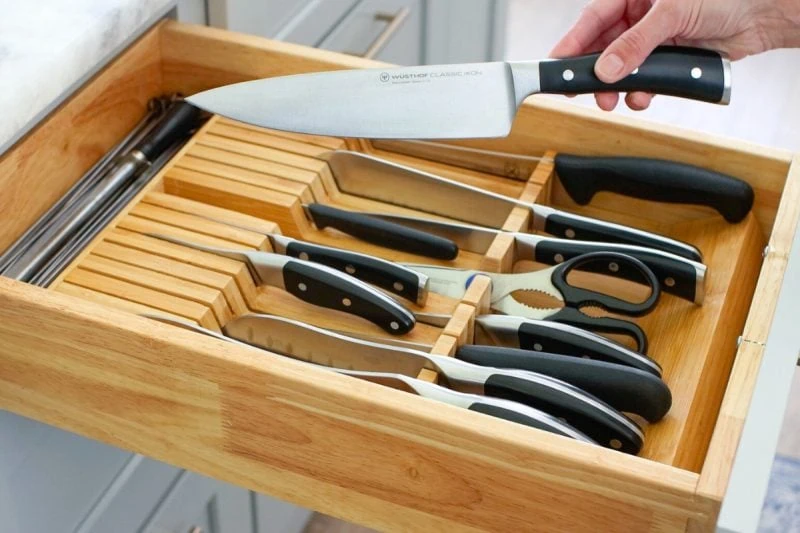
[[450, 101]]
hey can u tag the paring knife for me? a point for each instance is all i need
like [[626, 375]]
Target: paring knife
[[450, 101], [496, 407], [587, 414], [317, 285], [658, 180], [377, 179], [381, 232], [387, 275], [627, 389], [554, 337], [679, 276]]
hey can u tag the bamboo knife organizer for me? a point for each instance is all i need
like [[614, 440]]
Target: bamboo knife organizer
[[257, 179]]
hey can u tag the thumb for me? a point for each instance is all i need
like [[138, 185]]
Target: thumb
[[629, 50]]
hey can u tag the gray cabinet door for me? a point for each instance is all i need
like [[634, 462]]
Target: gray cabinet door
[[275, 516]]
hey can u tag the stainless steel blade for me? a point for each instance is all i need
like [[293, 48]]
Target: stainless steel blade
[[322, 347], [421, 102], [450, 282]]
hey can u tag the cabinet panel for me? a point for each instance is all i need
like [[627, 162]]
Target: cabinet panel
[[315, 21], [264, 18], [365, 24], [275, 516]]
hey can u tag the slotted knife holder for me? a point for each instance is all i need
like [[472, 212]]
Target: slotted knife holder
[[77, 356]]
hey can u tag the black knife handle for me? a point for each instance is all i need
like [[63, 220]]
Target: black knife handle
[[624, 388], [582, 229], [602, 324], [177, 123], [654, 179], [670, 70], [587, 414], [383, 233], [330, 289], [545, 422], [384, 274], [542, 336], [676, 275]]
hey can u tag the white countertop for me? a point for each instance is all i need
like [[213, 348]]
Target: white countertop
[[49, 47]]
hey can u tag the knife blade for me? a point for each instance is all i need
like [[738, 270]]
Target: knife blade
[[387, 275], [316, 284], [450, 101], [582, 177], [381, 232], [495, 407], [586, 413], [555, 337], [677, 275], [377, 179]]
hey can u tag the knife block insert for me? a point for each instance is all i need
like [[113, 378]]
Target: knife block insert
[[233, 183]]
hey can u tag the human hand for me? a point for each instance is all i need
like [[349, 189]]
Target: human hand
[[629, 30]]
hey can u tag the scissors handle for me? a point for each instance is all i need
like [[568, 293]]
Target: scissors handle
[[573, 317], [615, 262]]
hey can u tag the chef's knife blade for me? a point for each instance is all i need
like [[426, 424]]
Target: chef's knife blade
[[449, 101], [496, 407], [317, 285], [377, 179], [555, 337], [677, 275], [586, 413]]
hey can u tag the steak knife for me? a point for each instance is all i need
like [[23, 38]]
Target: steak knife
[[677, 275], [496, 407], [586, 413], [450, 101], [377, 179], [317, 285]]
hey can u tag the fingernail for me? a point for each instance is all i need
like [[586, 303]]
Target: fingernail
[[610, 67]]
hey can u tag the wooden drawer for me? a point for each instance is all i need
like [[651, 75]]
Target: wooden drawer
[[356, 450]]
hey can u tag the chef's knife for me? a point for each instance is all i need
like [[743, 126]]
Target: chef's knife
[[658, 180], [586, 413], [677, 275], [381, 232], [450, 101], [377, 179], [317, 285], [496, 407], [555, 337], [627, 389], [387, 275]]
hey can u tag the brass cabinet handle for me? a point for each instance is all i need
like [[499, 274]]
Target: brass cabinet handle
[[393, 23]]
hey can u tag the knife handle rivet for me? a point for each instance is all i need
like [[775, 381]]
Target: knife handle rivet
[[559, 258], [304, 256], [397, 286], [615, 443], [697, 73], [635, 71], [538, 347], [347, 302], [570, 233], [394, 325], [568, 75], [302, 286], [613, 267], [350, 269], [669, 282]]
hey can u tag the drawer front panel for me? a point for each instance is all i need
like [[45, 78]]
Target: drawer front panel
[[315, 22]]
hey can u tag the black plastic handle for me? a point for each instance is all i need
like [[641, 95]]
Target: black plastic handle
[[383, 233], [611, 263], [390, 276], [327, 288], [181, 119], [654, 179], [544, 422], [602, 324], [624, 388], [584, 412], [670, 70], [676, 275], [570, 226], [540, 335]]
